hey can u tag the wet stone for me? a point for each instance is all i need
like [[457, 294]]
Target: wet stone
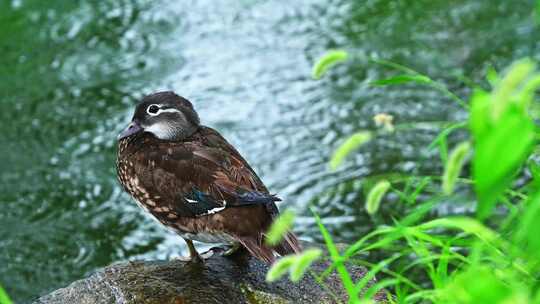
[[220, 280]]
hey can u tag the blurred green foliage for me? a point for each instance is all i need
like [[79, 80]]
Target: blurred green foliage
[[352, 143], [328, 60], [453, 167], [465, 259], [296, 265], [279, 227], [503, 132]]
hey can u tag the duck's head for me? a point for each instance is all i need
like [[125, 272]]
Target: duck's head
[[165, 115]]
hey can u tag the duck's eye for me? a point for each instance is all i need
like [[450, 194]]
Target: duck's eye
[[152, 109]]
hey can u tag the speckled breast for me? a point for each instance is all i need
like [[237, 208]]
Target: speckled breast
[[127, 175], [189, 228]]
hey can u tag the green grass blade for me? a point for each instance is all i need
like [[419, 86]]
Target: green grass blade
[[465, 224], [338, 260], [442, 267], [401, 276], [422, 79], [444, 133], [373, 289], [372, 272], [394, 65], [361, 243], [402, 79]]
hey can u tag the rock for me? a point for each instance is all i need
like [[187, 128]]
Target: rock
[[220, 280]]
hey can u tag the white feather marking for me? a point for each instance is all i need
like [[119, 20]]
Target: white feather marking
[[217, 209], [214, 210], [160, 110], [171, 110], [161, 130], [191, 201]]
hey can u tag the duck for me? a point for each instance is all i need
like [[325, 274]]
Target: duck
[[194, 182]]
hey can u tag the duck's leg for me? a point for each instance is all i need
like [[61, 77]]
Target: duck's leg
[[193, 254]]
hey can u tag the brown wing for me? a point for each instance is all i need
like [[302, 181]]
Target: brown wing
[[243, 174], [198, 180], [240, 171]]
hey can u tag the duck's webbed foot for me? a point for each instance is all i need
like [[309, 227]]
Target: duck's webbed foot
[[232, 249]]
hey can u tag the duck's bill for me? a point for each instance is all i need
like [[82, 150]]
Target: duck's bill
[[132, 128]]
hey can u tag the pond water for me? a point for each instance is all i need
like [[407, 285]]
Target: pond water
[[71, 72]]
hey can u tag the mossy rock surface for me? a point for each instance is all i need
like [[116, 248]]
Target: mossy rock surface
[[220, 280]]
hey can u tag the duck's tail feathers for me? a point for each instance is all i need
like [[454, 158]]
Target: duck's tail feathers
[[289, 245], [259, 250], [265, 253]]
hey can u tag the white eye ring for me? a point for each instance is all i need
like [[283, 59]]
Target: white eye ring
[[153, 110]]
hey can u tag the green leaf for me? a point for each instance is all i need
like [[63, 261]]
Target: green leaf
[[401, 79], [352, 143], [414, 76], [537, 296], [492, 76], [453, 166], [279, 227], [375, 196], [328, 60], [302, 263], [279, 268], [477, 285], [529, 230], [499, 152], [503, 133], [4, 298]]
